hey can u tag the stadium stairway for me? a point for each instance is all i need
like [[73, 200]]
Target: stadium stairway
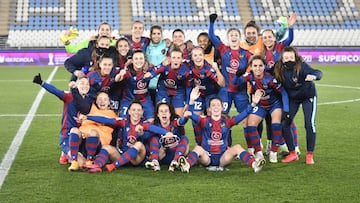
[[125, 13], [245, 12], [357, 4], [4, 16]]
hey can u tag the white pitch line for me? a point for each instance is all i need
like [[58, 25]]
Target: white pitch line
[[14, 147], [23, 115], [31, 80]]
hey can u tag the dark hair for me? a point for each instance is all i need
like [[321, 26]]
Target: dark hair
[[119, 58], [178, 30], [253, 24], [279, 66], [104, 56], [202, 34], [256, 57], [100, 92], [131, 66], [94, 57], [135, 101], [215, 98], [155, 27], [173, 115], [176, 48]]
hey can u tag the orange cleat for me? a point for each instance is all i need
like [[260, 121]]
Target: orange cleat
[[110, 167], [291, 157], [309, 158]]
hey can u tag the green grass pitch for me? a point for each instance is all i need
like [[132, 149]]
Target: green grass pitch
[[36, 176]]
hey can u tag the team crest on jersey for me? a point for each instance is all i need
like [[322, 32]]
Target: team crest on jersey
[[216, 136], [178, 76], [170, 83], [163, 51], [271, 64], [202, 76], [295, 79], [241, 56], [265, 86], [131, 140], [140, 84], [222, 124]]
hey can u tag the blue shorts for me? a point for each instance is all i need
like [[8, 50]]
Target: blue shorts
[[177, 101], [148, 108], [215, 159], [241, 100], [262, 112]]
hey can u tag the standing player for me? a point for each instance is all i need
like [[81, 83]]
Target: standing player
[[214, 150], [211, 54], [297, 77], [270, 103], [174, 82], [137, 82], [137, 41]]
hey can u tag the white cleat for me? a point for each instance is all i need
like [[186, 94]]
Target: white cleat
[[273, 157], [173, 165], [184, 165], [154, 165], [257, 165]]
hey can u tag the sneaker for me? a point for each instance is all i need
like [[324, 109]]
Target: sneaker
[[154, 165], [110, 167], [74, 166], [273, 157], [173, 165], [94, 168], [297, 150], [215, 168], [291, 157], [63, 160], [268, 147], [309, 159], [184, 165], [259, 155], [257, 165]]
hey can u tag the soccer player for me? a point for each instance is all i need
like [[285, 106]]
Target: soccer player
[[174, 82], [209, 79], [123, 52], [103, 30], [70, 110], [134, 133], [178, 40], [137, 41], [156, 55], [137, 80], [270, 103], [88, 57], [214, 151], [167, 150], [297, 78], [253, 41], [211, 54]]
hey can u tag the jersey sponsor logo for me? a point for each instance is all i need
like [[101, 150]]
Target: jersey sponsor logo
[[170, 83]]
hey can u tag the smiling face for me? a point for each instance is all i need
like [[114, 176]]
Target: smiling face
[[135, 112], [156, 36], [176, 59], [215, 107], [103, 101], [197, 55], [203, 41], [123, 47], [138, 59], [83, 85], [257, 66], [137, 30], [106, 64], [268, 39], [104, 29], [178, 38], [251, 34]]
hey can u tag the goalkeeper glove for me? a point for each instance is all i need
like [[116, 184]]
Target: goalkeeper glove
[[37, 79], [73, 34], [213, 17]]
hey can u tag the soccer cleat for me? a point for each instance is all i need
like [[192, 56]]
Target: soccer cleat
[[184, 165], [154, 165], [297, 149], [94, 168], [63, 160], [257, 165], [309, 159], [251, 151], [273, 157], [74, 166], [259, 155], [291, 157], [268, 147], [110, 167], [173, 165]]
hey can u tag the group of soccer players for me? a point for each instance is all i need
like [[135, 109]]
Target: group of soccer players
[[130, 98]]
